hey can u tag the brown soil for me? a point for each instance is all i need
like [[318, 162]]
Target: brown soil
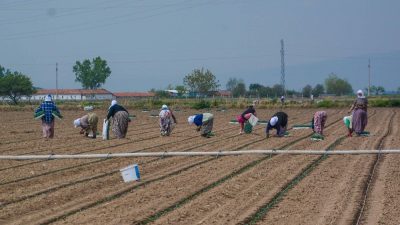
[[92, 191]]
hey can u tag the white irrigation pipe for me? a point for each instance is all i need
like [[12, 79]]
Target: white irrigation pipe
[[219, 153]]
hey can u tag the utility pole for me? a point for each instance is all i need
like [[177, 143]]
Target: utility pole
[[369, 76], [283, 68], [57, 81]]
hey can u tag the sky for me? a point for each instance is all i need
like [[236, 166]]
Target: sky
[[153, 43]]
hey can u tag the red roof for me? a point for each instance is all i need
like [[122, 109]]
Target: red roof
[[72, 91], [134, 94], [224, 93]]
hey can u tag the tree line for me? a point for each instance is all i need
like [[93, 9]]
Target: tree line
[[92, 74]]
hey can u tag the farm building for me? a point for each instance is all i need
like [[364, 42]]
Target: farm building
[[133, 95], [73, 94]]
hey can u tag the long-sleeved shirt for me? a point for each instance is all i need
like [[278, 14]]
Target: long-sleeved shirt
[[114, 109], [281, 123], [360, 103], [47, 108], [167, 113], [248, 110], [199, 119]]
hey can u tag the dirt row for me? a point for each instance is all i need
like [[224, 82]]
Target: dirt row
[[118, 177], [13, 188], [332, 193], [252, 181]]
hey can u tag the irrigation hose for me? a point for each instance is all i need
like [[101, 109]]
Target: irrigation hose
[[217, 153]]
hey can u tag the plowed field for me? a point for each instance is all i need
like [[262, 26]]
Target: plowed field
[[245, 189]]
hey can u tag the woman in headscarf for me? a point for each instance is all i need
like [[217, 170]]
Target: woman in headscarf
[[245, 116], [359, 109], [48, 109], [87, 123], [279, 122], [120, 119], [165, 120], [204, 123], [318, 122]]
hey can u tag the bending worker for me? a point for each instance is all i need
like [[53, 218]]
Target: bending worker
[[87, 123], [204, 123], [279, 122], [318, 122], [245, 116]]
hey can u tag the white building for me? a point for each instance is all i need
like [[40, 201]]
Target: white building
[[73, 94]]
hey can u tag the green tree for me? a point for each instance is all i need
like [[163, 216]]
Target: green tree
[[337, 86], [3, 71], [232, 83], [201, 81], [307, 90], [181, 89], [91, 74], [255, 90], [14, 85], [277, 90], [377, 90], [318, 90], [239, 90]]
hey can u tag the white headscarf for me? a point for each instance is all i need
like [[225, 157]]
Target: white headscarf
[[77, 123], [273, 120], [191, 120], [48, 98], [360, 94], [113, 102], [164, 107]]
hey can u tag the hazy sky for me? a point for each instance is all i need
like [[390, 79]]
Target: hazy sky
[[153, 43]]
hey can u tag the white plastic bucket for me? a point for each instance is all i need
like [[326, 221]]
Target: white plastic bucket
[[130, 173]]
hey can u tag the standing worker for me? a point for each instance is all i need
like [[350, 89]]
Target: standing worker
[[279, 122], [318, 122], [165, 120], [88, 123], [204, 123], [48, 110], [245, 116], [120, 119], [282, 100], [359, 113]]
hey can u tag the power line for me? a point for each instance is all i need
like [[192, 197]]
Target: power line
[[79, 27]]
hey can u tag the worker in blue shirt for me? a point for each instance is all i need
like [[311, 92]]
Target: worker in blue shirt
[[48, 111], [204, 123]]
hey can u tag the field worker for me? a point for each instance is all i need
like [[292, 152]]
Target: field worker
[[166, 116], [48, 108], [120, 119], [282, 99], [88, 123], [204, 123], [245, 116], [279, 122], [318, 122], [359, 113]]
